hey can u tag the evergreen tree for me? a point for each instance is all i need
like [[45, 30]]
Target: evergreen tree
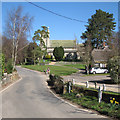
[[100, 27], [29, 54], [58, 52], [39, 36]]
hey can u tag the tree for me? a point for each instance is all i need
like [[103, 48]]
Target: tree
[[29, 54], [88, 53], [114, 44], [39, 36], [37, 52], [23, 43], [58, 52], [100, 27], [17, 26], [7, 51]]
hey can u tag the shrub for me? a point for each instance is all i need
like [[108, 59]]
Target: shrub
[[58, 52], [57, 83], [9, 66], [114, 68], [48, 57], [52, 80], [3, 63]]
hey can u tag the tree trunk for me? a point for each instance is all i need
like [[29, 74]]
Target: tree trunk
[[13, 52], [16, 49], [34, 58]]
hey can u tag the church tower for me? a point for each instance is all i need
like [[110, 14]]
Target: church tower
[[48, 38]]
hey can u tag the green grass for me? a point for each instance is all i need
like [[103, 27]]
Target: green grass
[[91, 102], [78, 66], [58, 70]]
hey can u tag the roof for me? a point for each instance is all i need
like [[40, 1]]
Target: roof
[[101, 55], [63, 43]]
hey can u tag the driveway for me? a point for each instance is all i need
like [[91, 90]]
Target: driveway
[[31, 98]]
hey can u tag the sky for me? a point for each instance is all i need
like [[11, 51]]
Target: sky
[[61, 28]]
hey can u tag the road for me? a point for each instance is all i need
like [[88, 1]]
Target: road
[[31, 98]]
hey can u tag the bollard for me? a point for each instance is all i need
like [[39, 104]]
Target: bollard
[[69, 87], [87, 84], [104, 87], [100, 94], [73, 81]]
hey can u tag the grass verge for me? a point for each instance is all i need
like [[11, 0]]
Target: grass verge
[[91, 102]]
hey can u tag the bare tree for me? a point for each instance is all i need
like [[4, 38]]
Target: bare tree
[[23, 43], [114, 43], [18, 25], [7, 51], [80, 48]]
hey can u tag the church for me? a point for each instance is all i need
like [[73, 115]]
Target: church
[[70, 46]]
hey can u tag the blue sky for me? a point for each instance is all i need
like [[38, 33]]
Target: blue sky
[[61, 28]]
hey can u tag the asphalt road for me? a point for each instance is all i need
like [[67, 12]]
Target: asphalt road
[[31, 98]]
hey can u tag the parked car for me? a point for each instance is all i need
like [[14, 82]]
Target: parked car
[[95, 70]]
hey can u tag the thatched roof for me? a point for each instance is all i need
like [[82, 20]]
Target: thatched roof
[[101, 55]]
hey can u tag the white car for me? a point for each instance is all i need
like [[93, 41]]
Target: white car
[[98, 70]]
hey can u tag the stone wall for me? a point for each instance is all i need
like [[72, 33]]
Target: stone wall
[[9, 78]]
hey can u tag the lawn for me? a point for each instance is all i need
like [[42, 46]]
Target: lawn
[[58, 70], [78, 66]]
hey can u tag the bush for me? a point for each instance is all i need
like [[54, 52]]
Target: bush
[[57, 83], [3, 62], [9, 66], [52, 80], [114, 68], [48, 57], [58, 52]]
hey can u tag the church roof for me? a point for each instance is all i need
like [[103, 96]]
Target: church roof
[[63, 43]]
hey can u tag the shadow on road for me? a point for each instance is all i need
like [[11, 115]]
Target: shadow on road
[[106, 81]]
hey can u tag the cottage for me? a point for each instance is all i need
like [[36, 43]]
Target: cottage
[[101, 56]]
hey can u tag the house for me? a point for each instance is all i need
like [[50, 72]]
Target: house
[[101, 56]]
